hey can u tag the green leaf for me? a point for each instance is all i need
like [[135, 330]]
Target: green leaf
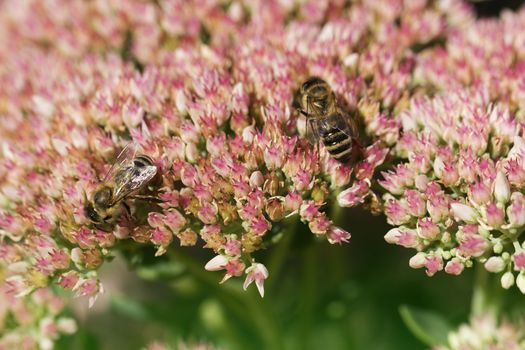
[[428, 326]]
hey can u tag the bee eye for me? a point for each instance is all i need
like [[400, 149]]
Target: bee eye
[[91, 213]]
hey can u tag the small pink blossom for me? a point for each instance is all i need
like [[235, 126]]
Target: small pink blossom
[[337, 235], [519, 261], [454, 267], [258, 273]]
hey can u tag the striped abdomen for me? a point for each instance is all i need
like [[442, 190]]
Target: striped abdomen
[[338, 144], [142, 160]]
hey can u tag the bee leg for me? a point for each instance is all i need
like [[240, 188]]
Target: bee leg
[[146, 198], [128, 209]]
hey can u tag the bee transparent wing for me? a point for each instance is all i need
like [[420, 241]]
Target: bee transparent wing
[[341, 122], [312, 130], [131, 178], [125, 156]]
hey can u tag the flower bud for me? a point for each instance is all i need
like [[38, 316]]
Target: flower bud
[[292, 201], [464, 212], [76, 256], [248, 134], [520, 282], [337, 235], [439, 167], [273, 157], [418, 261], [192, 152], [426, 229], [275, 209], [256, 179], [516, 209], [507, 280], [319, 193], [519, 260], [402, 236], [494, 216], [501, 188], [217, 263], [495, 264], [421, 182], [272, 185], [454, 267], [187, 238], [479, 193]]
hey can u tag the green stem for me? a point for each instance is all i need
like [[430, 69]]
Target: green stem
[[280, 252], [485, 298], [309, 295]]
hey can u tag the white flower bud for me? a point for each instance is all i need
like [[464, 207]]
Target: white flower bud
[[418, 261], [256, 179], [507, 280], [248, 133], [501, 188], [439, 167], [392, 236], [464, 212], [520, 282], [495, 264], [217, 263]]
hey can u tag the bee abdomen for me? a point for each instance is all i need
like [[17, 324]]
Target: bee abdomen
[[142, 161], [338, 144]]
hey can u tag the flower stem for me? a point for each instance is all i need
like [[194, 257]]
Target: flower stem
[[484, 299], [280, 252]]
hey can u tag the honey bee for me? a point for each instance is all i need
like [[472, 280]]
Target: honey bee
[[326, 122], [127, 176]]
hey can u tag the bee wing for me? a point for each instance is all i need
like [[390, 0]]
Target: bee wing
[[312, 130], [124, 157], [341, 122], [131, 178]]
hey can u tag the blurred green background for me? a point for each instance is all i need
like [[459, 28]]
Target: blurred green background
[[317, 296]]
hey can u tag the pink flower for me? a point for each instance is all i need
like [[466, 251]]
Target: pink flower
[[519, 261], [258, 273], [454, 266], [337, 235]]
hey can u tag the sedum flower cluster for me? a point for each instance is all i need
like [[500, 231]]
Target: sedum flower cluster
[[33, 322], [485, 332], [457, 194], [208, 90]]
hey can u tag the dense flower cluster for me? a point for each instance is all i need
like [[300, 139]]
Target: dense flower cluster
[[33, 322], [207, 89], [458, 193], [485, 332]]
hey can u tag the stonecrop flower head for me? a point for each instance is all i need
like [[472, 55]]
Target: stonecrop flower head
[[207, 90], [485, 332], [216, 116], [34, 322], [457, 194]]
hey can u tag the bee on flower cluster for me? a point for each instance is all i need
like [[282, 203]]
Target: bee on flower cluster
[[326, 122], [128, 175]]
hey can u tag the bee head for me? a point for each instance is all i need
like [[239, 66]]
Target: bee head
[[315, 95]]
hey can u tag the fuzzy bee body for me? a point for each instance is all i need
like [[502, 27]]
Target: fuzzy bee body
[[337, 143], [327, 123], [128, 175]]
